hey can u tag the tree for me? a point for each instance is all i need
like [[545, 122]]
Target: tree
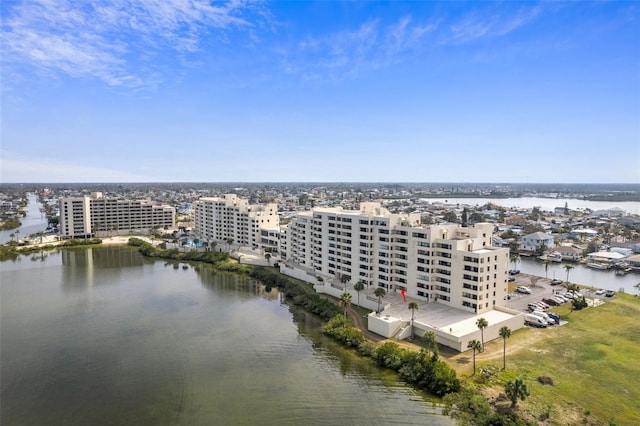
[[534, 280], [465, 216], [476, 346], [268, 257], [514, 259], [344, 279], [229, 241], [432, 342], [505, 333], [345, 300], [482, 324], [413, 306], [546, 264], [516, 389], [450, 217], [358, 287], [568, 268], [379, 293]]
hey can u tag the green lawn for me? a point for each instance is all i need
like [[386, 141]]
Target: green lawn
[[594, 361]]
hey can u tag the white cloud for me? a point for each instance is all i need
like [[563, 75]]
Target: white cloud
[[475, 26], [99, 38], [368, 46]]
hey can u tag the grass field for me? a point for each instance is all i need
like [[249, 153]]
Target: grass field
[[594, 361]]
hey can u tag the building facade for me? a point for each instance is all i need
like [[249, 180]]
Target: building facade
[[447, 263], [217, 219], [95, 215]]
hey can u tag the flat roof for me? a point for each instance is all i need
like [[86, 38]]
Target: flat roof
[[439, 316]]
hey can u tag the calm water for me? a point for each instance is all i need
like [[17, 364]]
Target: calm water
[[546, 204], [106, 337], [581, 274], [34, 221]]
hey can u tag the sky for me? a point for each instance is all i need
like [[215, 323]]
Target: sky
[[319, 91]]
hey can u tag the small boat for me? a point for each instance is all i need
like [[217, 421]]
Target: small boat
[[598, 265], [555, 257]]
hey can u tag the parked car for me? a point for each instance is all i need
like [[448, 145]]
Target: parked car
[[554, 317], [544, 316], [535, 321], [561, 298], [514, 271], [533, 306], [550, 301], [600, 292], [543, 305], [610, 293], [556, 281], [511, 279], [568, 295], [523, 290]]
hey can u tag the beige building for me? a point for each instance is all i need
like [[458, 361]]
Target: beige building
[[217, 219], [95, 215], [448, 264]]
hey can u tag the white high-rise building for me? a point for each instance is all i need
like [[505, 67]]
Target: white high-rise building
[[221, 219], [95, 215], [448, 264]]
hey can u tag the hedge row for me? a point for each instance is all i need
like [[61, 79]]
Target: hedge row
[[418, 368]]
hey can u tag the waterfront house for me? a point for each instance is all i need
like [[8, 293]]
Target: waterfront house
[[583, 234], [535, 241], [570, 253]]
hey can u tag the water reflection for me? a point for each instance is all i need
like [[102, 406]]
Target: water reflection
[[84, 268], [160, 346]]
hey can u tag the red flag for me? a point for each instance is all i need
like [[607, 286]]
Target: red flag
[[404, 297]]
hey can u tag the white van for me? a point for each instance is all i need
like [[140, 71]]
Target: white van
[[534, 320], [544, 316]]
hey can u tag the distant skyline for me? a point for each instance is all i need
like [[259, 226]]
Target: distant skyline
[[242, 91]]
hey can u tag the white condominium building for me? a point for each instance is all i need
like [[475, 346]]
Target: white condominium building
[[95, 215], [448, 264], [222, 219]]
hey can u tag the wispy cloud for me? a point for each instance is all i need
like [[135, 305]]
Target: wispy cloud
[[101, 39], [370, 45], [475, 25]]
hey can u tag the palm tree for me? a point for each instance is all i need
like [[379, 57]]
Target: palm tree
[[358, 287], [345, 300], [229, 242], [413, 306], [432, 342], [568, 268], [268, 257], [379, 293], [482, 324], [514, 259], [505, 333], [516, 389], [476, 346], [344, 279], [546, 264]]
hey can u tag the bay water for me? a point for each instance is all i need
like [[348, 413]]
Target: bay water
[[104, 336]]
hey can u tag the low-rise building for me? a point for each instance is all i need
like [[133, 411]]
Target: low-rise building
[[536, 241]]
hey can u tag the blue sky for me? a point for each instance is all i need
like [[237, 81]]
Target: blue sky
[[190, 90]]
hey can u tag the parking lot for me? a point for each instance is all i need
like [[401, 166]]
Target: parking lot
[[541, 289]]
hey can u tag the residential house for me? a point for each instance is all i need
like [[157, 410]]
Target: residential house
[[536, 241]]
